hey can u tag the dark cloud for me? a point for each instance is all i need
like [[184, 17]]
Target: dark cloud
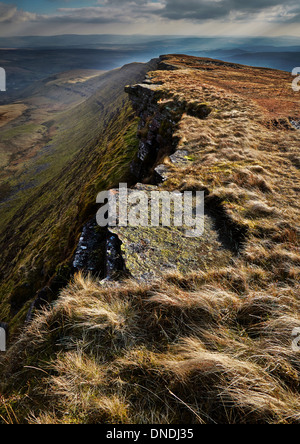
[[161, 13], [216, 9], [113, 11], [200, 10]]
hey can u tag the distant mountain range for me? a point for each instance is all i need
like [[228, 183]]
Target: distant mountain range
[[30, 59], [192, 43]]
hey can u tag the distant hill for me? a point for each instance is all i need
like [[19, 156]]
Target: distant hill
[[277, 59], [30, 59]]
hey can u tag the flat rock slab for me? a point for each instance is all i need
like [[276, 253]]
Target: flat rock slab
[[149, 252]]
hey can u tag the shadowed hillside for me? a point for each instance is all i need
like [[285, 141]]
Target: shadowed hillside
[[47, 200]]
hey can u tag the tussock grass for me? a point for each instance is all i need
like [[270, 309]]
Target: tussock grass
[[244, 153], [185, 349]]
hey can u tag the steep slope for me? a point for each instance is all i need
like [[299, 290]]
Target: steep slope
[[213, 343], [30, 130], [94, 142]]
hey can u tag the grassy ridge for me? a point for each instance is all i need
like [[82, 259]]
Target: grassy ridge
[[210, 346]]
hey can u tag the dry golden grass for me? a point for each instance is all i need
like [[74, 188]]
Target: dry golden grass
[[11, 112], [245, 152], [202, 348]]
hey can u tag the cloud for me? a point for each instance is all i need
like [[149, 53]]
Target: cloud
[[11, 14], [201, 10], [226, 9], [147, 14]]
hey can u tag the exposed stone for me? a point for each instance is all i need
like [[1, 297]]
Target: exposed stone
[[158, 119], [180, 157], [90, 252], [148, 252], [115, 266], [161, 173]]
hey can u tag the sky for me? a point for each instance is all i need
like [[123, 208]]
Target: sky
[[151, 17]]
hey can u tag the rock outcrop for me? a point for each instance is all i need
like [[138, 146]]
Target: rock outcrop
[[145, 253], [149, 252], [195, 135]]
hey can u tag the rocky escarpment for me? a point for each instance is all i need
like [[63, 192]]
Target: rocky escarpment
[[186, 126], [147, 252], [214, 345], [156, 127], [190, 138], [159, 115]]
